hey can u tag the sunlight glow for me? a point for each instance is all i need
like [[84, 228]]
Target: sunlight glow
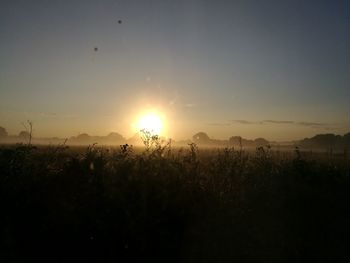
[[151, 123]]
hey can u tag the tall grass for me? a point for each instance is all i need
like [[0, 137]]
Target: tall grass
[[171, 204]]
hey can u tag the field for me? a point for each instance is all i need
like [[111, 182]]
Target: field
[[99, 204]]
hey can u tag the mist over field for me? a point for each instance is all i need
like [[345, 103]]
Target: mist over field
[[320, 142]]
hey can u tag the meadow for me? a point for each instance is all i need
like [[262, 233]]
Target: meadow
[[165, 204]]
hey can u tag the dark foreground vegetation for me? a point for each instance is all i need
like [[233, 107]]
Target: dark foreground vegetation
[[172, 205]]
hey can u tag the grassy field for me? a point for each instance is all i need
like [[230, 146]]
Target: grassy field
[[159, 203]]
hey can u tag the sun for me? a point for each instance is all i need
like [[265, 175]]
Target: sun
[[151, 123]]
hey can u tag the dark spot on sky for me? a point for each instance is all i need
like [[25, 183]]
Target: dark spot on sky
[[95, 49], [119, 21]]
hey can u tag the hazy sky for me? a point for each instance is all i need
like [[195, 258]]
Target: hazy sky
[[276, 69]]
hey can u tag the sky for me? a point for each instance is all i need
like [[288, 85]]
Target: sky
[[273, 69]]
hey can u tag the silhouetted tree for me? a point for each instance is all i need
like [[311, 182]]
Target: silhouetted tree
[[24, 134], [3, 132], [346, 138], [115, 136], [201, 138], [235, 140], [260, 142], [83, 137], [323, 140]]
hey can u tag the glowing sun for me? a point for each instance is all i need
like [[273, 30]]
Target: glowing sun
[[151, 123]]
